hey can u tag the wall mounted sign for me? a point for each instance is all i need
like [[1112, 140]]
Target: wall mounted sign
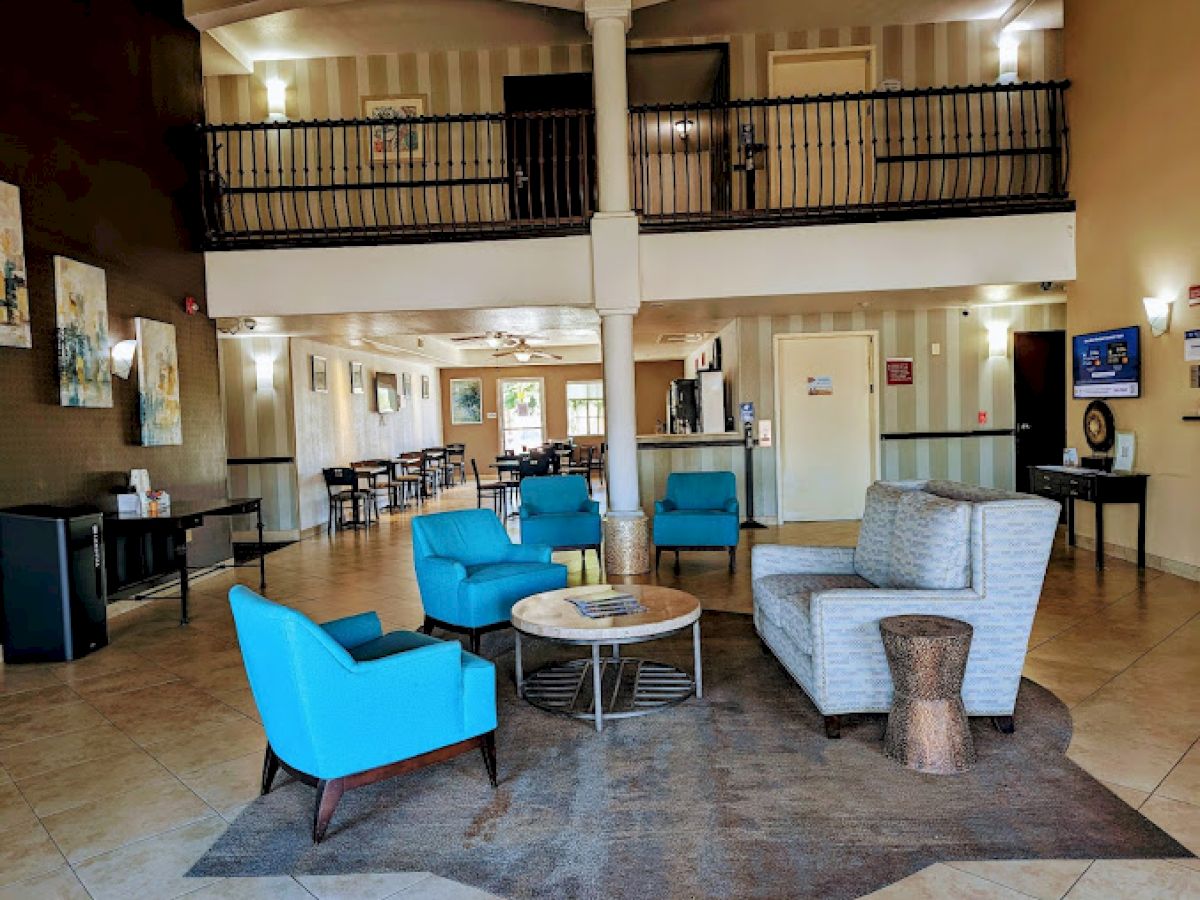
[[1194, 295], [747, 410], [1191, 345], [899, 370], [820, 385], [764, 433]]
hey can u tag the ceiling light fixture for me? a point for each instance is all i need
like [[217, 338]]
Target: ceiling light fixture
[[522, 356]]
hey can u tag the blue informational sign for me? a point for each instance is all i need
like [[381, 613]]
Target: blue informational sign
[[747, 411], [1108, 363]]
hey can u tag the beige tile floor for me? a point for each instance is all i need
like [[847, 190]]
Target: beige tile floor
[[118, 771]]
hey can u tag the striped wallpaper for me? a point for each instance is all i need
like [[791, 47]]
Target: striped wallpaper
[[465, 81], [948, 391]]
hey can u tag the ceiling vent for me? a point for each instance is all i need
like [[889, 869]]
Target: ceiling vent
[[682, 337]]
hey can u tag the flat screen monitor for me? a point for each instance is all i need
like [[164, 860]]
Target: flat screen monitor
[[1108, 363]]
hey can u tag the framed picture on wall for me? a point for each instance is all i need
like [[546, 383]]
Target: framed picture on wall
[[466, 401], [356, 378], [392, 140], [424, 387], [385, 391], [320, 374], [405, 385]]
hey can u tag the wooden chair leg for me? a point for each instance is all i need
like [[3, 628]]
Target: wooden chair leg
[[426, 626], [657, 557], [328, 794], [488, 747], [677, 570], [270, 768], [583, 560], [833, 727], [732, 560], [474, 641], [1004, 724]]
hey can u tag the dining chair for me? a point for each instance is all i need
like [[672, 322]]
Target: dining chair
[[341, 485], [582, 466], [456, 459], [496, 490]]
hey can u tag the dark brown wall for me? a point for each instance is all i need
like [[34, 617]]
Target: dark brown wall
[[95, 116]]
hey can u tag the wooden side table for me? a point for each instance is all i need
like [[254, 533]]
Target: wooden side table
[[927, 729]]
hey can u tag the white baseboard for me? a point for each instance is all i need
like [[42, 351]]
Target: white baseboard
[[1129, 554]]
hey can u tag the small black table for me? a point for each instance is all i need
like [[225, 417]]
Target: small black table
[[185, 515], [1068, 484]]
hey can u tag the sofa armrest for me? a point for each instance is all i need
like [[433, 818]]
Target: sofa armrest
[[591, 507], [780, 559], [527, 553], [662, 506], [354, 630], [526, 511]]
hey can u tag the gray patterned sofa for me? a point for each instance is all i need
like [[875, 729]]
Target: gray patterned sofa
[[934, 547]]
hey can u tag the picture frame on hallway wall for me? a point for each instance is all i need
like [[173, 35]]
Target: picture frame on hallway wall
[[320, 374], [357, 385], [385, 392], [81, 315], [390, 139], [158, 384], [466, 401], [424, 387], [14, 291]]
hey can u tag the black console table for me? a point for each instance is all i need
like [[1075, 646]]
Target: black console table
[[1068, 484], [185, 515]]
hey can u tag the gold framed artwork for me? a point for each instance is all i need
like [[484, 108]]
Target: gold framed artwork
[[390, 138]]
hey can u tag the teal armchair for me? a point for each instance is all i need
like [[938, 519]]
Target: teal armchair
[[345, 705], [699, 512], [559, 511], [470, 573]]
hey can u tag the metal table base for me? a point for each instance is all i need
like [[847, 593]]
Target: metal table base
[[627, 686]]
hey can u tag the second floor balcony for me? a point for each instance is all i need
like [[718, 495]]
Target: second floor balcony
[[937, 152]]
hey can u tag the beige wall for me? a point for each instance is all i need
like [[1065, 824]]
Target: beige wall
[[466, 81], [483, 441], [337, 428], [948, 391], [1134, 175]]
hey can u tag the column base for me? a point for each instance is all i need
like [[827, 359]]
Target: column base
[[626, 544]]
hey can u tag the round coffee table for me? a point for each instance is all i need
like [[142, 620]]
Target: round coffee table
[[627, 686]]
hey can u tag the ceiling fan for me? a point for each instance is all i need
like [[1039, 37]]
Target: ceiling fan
[[522, 352], [494, 339]]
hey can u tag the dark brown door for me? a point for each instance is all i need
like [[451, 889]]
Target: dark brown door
[[549, 158], [1040, 399]]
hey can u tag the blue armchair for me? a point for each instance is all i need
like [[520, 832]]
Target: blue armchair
[[558, 511], [345, 705], [471, 574], [700, 512]]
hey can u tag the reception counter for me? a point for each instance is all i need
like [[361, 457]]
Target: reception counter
[[661, 454]]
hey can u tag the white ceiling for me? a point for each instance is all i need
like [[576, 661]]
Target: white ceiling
[[574, 332], [295, 29]]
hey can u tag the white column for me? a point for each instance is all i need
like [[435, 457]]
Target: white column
[[608, 20], [620, 412]]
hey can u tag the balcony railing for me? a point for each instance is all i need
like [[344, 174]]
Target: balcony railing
[[935, 152], [379, 181]]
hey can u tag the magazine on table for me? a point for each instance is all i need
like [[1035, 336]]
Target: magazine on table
[[606, 605]]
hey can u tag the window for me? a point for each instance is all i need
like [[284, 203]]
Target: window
[[522, 414], [585, 408]]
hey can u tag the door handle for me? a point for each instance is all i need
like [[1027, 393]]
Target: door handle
[[521, 178], [1024, 426]]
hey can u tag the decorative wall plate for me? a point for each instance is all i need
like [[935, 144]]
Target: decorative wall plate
[[1099, 427]]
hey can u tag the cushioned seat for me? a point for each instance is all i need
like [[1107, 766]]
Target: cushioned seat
[[471, 574], [558, 511], [783, 599], [699, 512]]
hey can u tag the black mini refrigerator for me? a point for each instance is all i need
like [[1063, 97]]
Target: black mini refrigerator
[[52, 583]]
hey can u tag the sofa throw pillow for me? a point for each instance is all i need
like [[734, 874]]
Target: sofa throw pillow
[[873, 555], [931, 543]]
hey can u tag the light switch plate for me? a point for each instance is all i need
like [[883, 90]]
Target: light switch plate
[[935, 349]]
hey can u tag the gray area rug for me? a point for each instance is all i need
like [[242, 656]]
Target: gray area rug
[[736, 795]]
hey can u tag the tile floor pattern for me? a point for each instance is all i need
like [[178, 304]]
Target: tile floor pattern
[[119, 770]]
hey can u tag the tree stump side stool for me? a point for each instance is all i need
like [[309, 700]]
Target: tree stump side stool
[[927, 729]]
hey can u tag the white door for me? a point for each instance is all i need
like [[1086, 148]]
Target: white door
[[827, 435]]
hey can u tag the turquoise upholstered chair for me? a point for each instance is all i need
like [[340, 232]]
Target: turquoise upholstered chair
[[559, 512], [700, 512], [471, 574], [344, 704]]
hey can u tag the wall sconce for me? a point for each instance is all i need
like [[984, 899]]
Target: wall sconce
[[264, 373], [276, 100], [1009, 46], [684, 128], [122, 357], [1158, 312], [997, 333]]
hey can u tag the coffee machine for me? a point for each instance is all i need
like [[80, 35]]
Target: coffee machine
[[683, 407]]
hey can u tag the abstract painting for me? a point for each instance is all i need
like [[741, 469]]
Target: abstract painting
[[14, 303], [81, 312], [158, 384], [466, 401], [392, 140], [356, 378]]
